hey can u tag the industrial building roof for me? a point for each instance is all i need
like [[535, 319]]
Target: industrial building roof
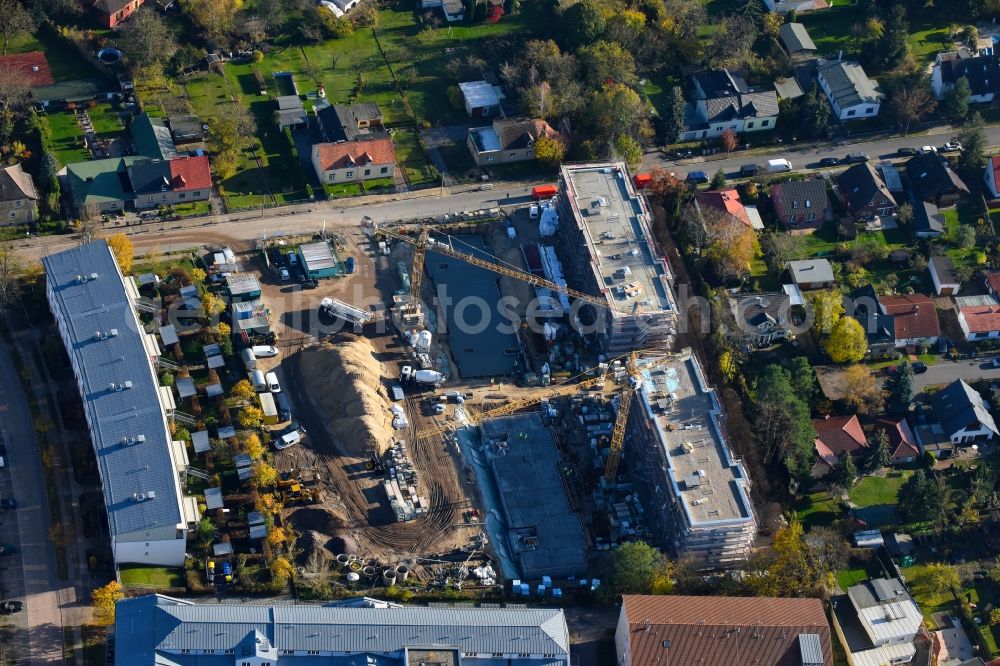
[[154, 628], [616, 222], [242, 283], [317, 256], [545, 534], [711, 485], [105, 341]]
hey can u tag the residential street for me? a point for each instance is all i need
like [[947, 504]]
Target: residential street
[[802, 158], [44, 621], [946, 372]]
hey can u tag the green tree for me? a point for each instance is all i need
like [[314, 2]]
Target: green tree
[[965, 236], [167, 378], [813, 113], [607, 62], [878, 452], [847, 342], [629, 149], [550, 151], [104, 599], [14, 19], [782, 421], [583, 23], [922, 498], [939, 578], [791, 569], [983, 484], [846, 472], [718, 180], [827, 307], [803, 378], [955, 102], [891, 49], [673, 116], [974, 145], [206, 531], [900, 388], [632, 567]]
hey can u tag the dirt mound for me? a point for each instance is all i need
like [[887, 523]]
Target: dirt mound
[[316, 520], [341, 545], [345, 383], [312, 550]]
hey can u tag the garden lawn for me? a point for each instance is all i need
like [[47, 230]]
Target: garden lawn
[[875, 491], [849, 577], [159, 578], [816, 509], [410, 157], [67, 137]]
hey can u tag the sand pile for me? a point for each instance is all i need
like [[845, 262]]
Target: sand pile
[[345, 382]]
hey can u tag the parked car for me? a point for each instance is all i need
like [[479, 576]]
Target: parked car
[[699, 177], [271, 379], [856, 158], [264, 351], [289, 435], [285, 275], [919, 367], [7, 505], [906, 151], [951, 147], [749, 170], [829, 162], [926, 150]]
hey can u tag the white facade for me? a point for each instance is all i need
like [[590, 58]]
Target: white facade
[[943, 286], [867, 107]]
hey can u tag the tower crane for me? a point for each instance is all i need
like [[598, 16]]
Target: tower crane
[[632, 383], [422, 242]]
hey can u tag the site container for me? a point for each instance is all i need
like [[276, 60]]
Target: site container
[[543, 191], [268, 407]]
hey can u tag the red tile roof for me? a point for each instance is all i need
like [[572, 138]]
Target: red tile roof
[[902, 442], [915, 315], [726, 201], [722, 631], [838, 434], [355, 153], [982, 318], [993, 282], [190, 173], [32, 66]]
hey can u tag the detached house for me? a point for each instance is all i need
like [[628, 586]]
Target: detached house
[[18, 198], [355, 122], [914, 318], [728, 203], [722, 101], [903, 446], [991, 175], [508, 140], [877, 622], [763, 318], [981, 71], [851, 93], [934, 181], [802, 206], [113, 12], [962, 414], [879, 326], [811, 274], [980, 322], [864, 192], [354, 161], [835, 437]]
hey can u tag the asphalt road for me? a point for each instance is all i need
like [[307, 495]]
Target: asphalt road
[[945, 372], [808, 158], [31, 521]]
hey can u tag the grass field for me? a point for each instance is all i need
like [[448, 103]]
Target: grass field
[[67, 137], [817, 509], [848, 577], [875, 491], [158, 578]]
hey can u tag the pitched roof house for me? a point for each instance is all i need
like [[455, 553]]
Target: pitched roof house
[[113, 12], [354, 122], [727, 201], [878, 324], [712, 631], [722, 101], [991, 176], [981, 71], [851, 93], [946, 282], [352, 161], [865, 193], [796, 40], [903, 446], [934, 181], [136, 181], [18, 198], [801, 206], [763, 318], [962, 414], [835, 436], [811, 273], [914, 317], [877, 622], [980, 322], [508, 140]]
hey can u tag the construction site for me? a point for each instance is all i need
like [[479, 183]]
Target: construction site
[[504, 400]]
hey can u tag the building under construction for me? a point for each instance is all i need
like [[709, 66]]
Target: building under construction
[[606, 245], [697, 495]]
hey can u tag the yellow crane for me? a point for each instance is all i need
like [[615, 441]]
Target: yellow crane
[[631, 385], [422, 241]]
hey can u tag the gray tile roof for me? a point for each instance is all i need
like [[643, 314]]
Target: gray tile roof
[[860, 185], [927, 218], [811, 270], [16, 184], [958, 405], [154, 629], [849, 84], [796, 38], [982, 72], [100, 305], [931, 177]]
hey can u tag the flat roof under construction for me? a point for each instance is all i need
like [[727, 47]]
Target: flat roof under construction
[[617, 227], [543, 532], [711, 485]]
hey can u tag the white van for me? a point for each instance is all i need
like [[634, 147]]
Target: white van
[[271, 379], [779, 166], [533, 212], [249, 359], [264, 351], [288, 439], [258, 381]]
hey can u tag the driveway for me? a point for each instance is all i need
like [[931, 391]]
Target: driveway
[[44, 621], [945, 372]]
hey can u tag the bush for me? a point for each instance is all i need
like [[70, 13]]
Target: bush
[[258, 56]]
